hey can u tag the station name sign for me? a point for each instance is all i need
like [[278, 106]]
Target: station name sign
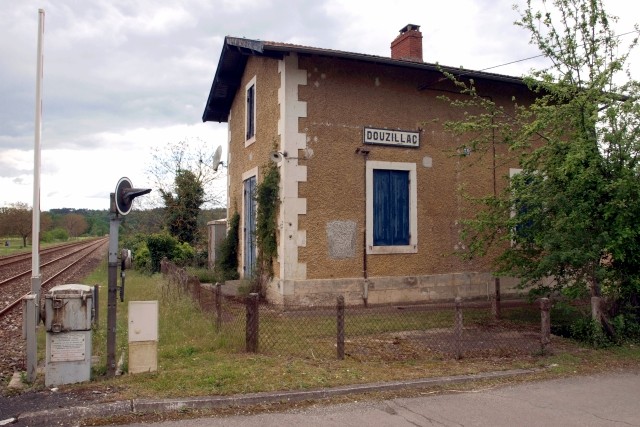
[[401, 138]]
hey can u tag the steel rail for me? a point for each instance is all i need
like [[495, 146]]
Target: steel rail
[[23, 256], [15, 303], [24, 273]]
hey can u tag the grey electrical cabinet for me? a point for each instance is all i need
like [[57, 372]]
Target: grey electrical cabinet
[[69, 311]]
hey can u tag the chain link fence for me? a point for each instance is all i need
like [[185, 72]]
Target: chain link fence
[[460, 329], [410, 332]]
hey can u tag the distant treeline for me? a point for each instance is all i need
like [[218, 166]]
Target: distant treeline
[[61, 224]]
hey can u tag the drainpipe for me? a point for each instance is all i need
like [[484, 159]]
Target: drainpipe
[[365, 287]]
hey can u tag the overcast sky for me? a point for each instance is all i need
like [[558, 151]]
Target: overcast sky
[[123, 77]]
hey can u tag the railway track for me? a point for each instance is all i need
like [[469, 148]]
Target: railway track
[[68, 264], [9, 260]]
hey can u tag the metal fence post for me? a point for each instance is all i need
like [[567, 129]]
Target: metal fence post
[[96, 304], [495, 300], [458, 328], [218, 295], [340, 327], [252, 323], [545, 321]]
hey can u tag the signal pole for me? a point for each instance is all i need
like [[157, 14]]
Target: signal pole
[[120, 204]]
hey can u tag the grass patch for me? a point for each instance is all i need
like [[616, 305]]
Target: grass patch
[[195, 360], [15, 245]]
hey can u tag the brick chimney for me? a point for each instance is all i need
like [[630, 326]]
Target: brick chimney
[[408, 45]]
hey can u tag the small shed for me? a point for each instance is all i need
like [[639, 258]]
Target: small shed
[[216, 231]]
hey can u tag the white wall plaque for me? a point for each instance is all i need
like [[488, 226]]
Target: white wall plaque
[[67, 347]]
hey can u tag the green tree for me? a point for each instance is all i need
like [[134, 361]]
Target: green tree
[[571, 214], [16, 220], [75, 224], [183, 207], [195, 156]]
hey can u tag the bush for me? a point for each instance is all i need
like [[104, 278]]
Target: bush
[[160, 246], [183, 254], [205, 275], [137, 244], [57, 234], [142, 259], [589, 331], [627, 327]]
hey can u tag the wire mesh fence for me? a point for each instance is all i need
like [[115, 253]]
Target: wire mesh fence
[[390, 332], [412, 332]]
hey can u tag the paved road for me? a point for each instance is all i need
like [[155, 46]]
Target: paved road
[[603, 400]]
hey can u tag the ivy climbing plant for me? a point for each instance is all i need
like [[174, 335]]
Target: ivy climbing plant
[[267, 198]]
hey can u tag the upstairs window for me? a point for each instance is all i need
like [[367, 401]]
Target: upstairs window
[[250, 112]]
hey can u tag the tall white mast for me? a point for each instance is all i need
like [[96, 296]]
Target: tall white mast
[[31, 312], [35, 228]]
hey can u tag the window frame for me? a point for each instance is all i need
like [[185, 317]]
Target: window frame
[[412, 247], [252, 173], [250, 116]]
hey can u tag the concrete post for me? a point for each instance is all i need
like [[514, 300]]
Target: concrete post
[[545, 324], [458, 328], [30, 316], [340, 327]]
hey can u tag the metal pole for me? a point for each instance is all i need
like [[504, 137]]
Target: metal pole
[[112, 282], [35, 226], [29, 322], [32, 315]]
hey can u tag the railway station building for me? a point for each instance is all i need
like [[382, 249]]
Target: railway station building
[[370, 202]]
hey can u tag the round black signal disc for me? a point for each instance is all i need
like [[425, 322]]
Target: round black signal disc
[[123, 203]]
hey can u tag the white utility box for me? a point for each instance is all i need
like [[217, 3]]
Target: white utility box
[[143, 336]]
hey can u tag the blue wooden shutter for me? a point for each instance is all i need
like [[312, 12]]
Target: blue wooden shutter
[[390, 207], [249, 226]]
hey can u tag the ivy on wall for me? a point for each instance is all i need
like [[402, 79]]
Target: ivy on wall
[[267, 198]]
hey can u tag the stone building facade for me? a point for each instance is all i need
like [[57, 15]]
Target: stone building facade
[[370, 181]]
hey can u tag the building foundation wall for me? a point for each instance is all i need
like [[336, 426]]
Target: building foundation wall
[[390, 290]]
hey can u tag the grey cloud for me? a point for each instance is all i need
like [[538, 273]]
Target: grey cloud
[[111, 66]]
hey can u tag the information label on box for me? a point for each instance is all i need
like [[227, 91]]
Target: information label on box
[[67, 347]]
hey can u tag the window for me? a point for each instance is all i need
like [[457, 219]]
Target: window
[[391, 208], [250, 112], [521, 210]]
